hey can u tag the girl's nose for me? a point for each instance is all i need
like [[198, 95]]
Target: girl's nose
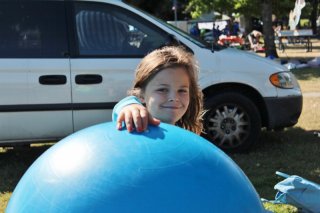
[[172, 97]]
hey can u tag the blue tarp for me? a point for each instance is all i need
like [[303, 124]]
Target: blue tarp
[[299, 192]]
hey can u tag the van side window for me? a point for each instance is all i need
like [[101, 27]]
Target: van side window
[[107, 30], [32, 29]]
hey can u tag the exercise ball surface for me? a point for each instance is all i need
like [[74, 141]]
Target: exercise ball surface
[[165, 169]]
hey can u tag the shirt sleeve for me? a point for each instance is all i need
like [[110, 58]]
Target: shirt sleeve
[[124, 102]]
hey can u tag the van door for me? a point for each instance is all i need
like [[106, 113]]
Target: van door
[[35, 89], [110, 42]]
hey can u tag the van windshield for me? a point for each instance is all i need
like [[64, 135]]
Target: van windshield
[[193, 39], [197, 41]]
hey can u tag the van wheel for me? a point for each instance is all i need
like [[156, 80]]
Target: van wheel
[[232, 121]]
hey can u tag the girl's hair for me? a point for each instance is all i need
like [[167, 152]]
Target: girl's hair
[[171, 57]]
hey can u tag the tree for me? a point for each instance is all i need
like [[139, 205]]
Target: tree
[[198, 7], [314, 14], [162, 9], [263, 9], [268, 31], [245, 7]]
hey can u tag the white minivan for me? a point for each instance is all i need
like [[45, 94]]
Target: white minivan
[[65, 64]]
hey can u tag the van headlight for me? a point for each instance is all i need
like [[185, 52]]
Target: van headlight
[[285, 80]]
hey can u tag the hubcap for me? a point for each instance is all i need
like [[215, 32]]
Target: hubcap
[[228, 126]]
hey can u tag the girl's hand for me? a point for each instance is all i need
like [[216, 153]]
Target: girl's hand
[[135, 116]]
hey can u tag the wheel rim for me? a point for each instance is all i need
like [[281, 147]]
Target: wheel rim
[[228, 126]]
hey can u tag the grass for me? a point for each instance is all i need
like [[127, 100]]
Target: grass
[[13, 164], [294, 151], [308, 79]]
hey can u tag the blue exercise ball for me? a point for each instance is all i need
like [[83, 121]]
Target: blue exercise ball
[[165, 169]]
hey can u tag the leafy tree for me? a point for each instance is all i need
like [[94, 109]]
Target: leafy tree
[[314, 13], [198, 7], [248, 8], [262, 9], [162, 9]]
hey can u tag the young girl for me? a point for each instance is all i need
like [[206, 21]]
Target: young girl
[[165, 89]]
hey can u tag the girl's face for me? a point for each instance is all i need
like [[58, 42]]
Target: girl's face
[[167, 94]]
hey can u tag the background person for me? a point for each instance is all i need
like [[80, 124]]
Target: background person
[[254, 38], [195, 31]]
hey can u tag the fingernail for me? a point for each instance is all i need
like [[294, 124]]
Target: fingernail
[[119, 126]]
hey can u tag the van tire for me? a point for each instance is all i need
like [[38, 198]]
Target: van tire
[[232, 121]]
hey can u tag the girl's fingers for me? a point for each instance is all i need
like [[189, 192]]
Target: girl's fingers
[[137, 120], [128, 120], [144, 119], [136, 116]]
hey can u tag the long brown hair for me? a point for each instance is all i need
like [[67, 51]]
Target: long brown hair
[[173, 56]]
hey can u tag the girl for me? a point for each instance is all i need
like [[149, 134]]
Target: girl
[[166, 83]]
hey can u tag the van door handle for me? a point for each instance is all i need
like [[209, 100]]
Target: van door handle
[[52, 79], [88, 79]]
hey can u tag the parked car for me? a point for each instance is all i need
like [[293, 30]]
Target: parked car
[[65, 64]]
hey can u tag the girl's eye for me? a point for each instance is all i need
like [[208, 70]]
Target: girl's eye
[[162, 90], [184, 91]]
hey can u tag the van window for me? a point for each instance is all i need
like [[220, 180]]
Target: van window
[[32, 29], [108, 30]]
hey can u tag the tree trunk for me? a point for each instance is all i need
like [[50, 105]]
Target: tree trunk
[[268, 32], [314, 15]]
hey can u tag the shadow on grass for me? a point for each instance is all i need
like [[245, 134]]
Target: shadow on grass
[[306, 73], [294, 151], [14, 162]]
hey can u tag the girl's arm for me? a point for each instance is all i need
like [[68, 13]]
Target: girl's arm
[[130, 112]]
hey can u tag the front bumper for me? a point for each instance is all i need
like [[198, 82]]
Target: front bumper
[[283, 111]]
